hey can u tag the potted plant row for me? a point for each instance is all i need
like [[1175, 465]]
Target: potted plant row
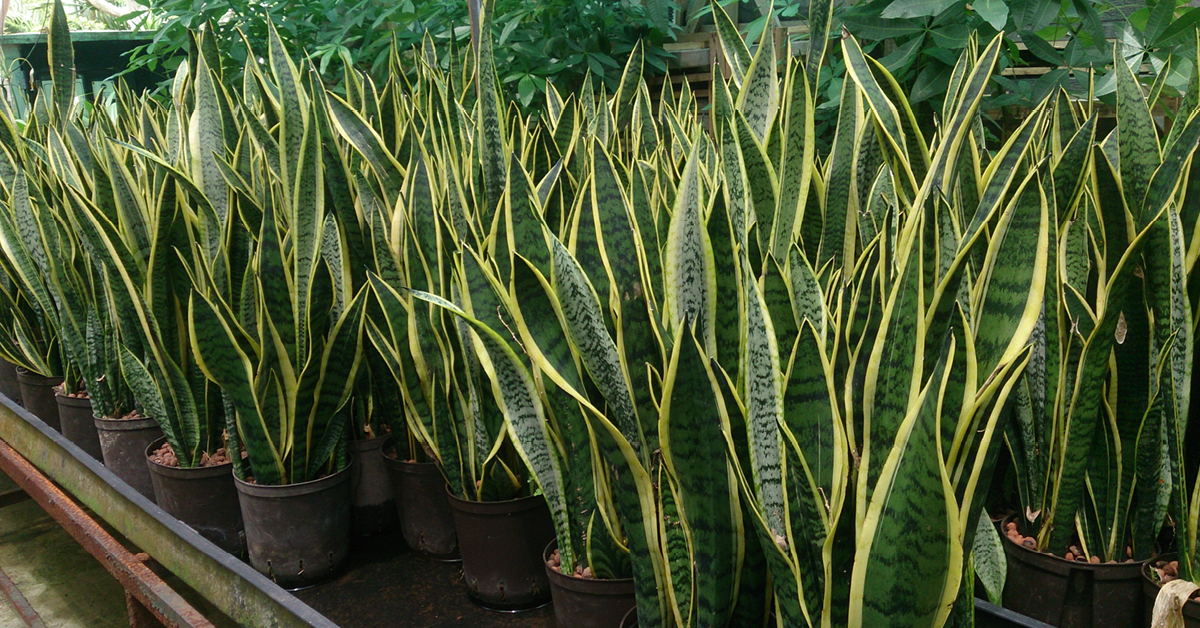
[[622, 354]]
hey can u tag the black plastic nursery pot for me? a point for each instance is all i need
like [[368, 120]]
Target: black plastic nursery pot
[[630, 619], [204, 498], [10, 386], [76, 419], [588, 602], [425, 515], [374, 503], [38, 396], [1150, 588], [123, 443], [297, 534], [501, 545], [1072, 594]]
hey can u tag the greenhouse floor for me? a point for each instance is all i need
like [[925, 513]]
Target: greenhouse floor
[[386, 584], [59, 580]]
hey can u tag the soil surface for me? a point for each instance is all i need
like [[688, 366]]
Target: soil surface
[[1074, 553], [555, 563], [165, 456], [128, 416], [61, 392]]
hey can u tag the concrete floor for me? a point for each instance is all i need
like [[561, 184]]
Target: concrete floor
[[62, 582]]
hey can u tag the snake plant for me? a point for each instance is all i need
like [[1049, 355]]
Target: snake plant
[[757, 379], [1100, 416], [271, 321]]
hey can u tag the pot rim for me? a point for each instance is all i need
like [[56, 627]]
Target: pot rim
[[596, 582], [367, 444], [128, 425], [280, 491], [32, 377], [1028, 555], [415, 468], [76, 402], [186, 472], [500, 507]]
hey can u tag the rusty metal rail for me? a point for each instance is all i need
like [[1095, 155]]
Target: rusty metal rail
[[159, 598], [19, 603], [34, 454]]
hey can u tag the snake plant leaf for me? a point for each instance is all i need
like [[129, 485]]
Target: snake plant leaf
[[1116, 224], [777, 295], [820, 18], [543, 334], [627, 88], [908, 559], [691, 420], [21, 241], [884, 111], [737, 55], [758, 98], [221, 358], [130, 203], [306, 216], [293, 108], [959, 125], [733, 171], [1167, 295], [61, 54], [1018, 262], [677, 551], [206, 142], [764, 408], [630, 301], [795, 169], [1151, 495], [277, 291], [690, 276], [334, 374], [1003, 171], [988, 556], [1071, 166], [837, 239], [1084, 404], [618, 243], [893, 377], [523, 412], [1168, 176], [808, 300], [490, 124], [1137, 139], [598, 353], [421, 213], [760, 181], [368, 143], [810, 412], [728, 319], [151, 399]]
